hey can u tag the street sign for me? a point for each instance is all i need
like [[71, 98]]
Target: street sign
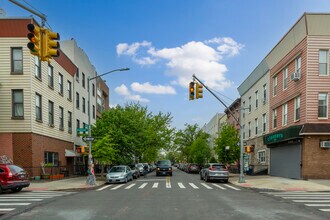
[[88, 139], [82, 129]]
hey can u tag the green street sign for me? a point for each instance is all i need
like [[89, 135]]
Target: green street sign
[[82, 129]]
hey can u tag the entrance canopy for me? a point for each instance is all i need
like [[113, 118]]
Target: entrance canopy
[[71, 153]]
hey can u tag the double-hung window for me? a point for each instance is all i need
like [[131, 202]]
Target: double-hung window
[[249, 129], [38, 107], [257, 98], [93, 87], [51, 113], [262, 156], [275, 86], [243, 131], [60, 83], [323, 62], [256, 126], [17, 103], [37, 65], [83, 105], [250, 104], [50, 76], [298, 66], [264, 121], [16, 60], [285, 78], [77, 126], [69, 90], [323, 105], [69, 121], [243, 109], [297, 108], [265, 94], [51, 158], [275, 118], [83, 79], [285, 114], [61, 118], [77, 100]]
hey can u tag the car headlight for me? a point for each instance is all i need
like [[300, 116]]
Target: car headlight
[[170, 168], [157, 168]]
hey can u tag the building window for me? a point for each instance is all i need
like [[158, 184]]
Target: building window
[[77, 100], [61, 118], [323, 105], [250, 104], [51, 158], [93, 111], [77, 126], [275, 118], [285, 78], [50, 76], [249, 129], [69, 122], [256, 126], [38, 107], [77, 76], [265, 94], [37, 65], [323, 62], [83, 105], [83, 79], [69, 90], [262, 156], [264, 121], [297, 108], [243, 131], [285, 114], [93, 87], [16, 61], [275, 85], [51, 113], [298, 65], [243, 109], [17, 103], [60, 83], [256, 94]]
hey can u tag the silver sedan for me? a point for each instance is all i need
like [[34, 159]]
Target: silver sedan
[[119, 174]]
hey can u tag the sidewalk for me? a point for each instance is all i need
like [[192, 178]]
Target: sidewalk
[[266, 182]]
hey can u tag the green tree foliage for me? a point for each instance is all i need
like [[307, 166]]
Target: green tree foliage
[[200, 151], [135, 134], [227, 137]]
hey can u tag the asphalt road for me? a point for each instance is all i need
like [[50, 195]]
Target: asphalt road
[[182, 196]]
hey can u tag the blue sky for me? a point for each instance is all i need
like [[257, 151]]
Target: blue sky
[[165, 42]]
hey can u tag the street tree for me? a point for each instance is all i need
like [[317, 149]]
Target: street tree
[[200, 151]]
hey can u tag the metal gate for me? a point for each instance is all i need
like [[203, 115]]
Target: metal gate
[[285, 161]]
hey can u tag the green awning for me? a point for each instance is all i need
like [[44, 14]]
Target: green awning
[[283, 135]]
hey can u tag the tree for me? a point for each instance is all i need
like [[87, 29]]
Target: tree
[[227, 137], [200, 151]]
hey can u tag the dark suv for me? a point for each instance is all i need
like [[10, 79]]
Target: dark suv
[[164, 167], [13, 178]]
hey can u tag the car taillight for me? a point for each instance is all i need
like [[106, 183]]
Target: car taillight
[[211, 168], [9, 173]]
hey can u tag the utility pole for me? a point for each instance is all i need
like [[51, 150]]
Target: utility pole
[[241, 176]]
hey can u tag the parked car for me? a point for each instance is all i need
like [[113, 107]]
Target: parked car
[[119, 174], [13, 178], [214, 171], [164, 167], [193, 168], [135, 171]]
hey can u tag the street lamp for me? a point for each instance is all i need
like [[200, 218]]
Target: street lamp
[[89, 112]]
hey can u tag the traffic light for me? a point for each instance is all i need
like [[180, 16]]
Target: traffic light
[[191, 90], [249, 149], [199, 91], [35, 37], [50, 45], [81, 149], [78, 149]]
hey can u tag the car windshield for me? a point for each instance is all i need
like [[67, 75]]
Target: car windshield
[[117, 169], [164, 162]]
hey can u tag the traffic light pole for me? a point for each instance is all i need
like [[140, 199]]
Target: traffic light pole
[[89, 111], [241, 176]]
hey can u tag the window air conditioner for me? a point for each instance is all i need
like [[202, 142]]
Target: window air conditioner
[[295, 76], [325, 144]]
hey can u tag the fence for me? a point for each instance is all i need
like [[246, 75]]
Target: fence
[[55, 172]]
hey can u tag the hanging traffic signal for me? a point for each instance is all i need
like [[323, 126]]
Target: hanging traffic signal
[[35, 37], [191, 90], [50, 45], [78, 149], [199, 91], [81, 149]]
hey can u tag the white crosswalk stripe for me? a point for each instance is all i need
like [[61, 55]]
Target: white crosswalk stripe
[[311, 199], [6, 210], [193, 185], [155, 185], [231, 187], [206, 186], [143, 185], [114, 188], [100, 189], [130, 186], [181, 186], [219, 186]]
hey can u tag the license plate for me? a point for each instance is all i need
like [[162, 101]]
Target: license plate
[[164, 172]]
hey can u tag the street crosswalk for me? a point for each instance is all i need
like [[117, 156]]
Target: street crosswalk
[[11, 201], [169, 185], [319, 200]]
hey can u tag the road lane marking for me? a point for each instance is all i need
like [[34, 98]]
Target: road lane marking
[[117, 187], [317, 204], [143, 185], [219, 186], [298, 195], [181, 186], [295, 193], [20, 200], [21, 203], [168, 182], [304, 197], [193, 186], [155, 185], [25, 197], [206, 186], [311, 201], [104, 187], [325, 210], [7, 210], [232, 187], [151, 180], [130, 186]]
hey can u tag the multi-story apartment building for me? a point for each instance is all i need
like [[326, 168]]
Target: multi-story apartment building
[[234, 110], [102, 100], [254, 93], [36, 102], [297, 72]]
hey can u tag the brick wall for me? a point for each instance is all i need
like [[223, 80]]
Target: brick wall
[[315, 160], [6, 145]]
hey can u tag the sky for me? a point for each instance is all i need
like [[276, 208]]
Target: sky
[[165, 42]]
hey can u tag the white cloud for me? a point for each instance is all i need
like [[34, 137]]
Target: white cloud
[[194, 57], [124, 91], [152, 89]]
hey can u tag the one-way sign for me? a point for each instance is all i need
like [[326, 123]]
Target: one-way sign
[[88, 139]]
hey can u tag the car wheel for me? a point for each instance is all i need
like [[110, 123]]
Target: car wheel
[[17, 189], [126, 180], [201, 177], [225, 181]]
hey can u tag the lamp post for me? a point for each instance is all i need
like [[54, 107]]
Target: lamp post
[[89, 112]]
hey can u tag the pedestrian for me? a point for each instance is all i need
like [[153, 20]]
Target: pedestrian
[[91, 180], [145, 169]]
